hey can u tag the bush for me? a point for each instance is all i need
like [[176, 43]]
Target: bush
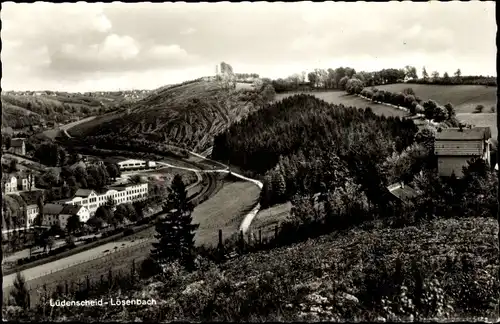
[[149, 268], [128, 231], [479, 109]]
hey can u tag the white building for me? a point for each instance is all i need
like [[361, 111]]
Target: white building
[[59, 214], [32, 212], [70, 210], [11, 185], [92, 200], [131, 164], [24, 182]]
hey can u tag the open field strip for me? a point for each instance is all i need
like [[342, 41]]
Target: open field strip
[[341, 98], [464, 98], [95, 268], [71, 261]]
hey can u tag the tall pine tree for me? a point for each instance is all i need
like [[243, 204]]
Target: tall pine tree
[[176, 231]]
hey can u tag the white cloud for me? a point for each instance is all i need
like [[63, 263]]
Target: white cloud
[[114, 47], [167, 51], [188, 31]]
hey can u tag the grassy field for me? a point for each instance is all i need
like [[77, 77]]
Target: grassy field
[[340, 97], [266, 219], [120, 260], [225, 210], [166, 175], [463, 97], [483, 119]]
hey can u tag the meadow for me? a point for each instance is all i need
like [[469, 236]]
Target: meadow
[[464, 98], [225, 210], [482, 119], [266, 219], [340, 97]]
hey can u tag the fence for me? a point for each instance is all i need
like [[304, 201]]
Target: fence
[[109, 255]]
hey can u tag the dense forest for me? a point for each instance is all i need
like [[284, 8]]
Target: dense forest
[[303, 145]]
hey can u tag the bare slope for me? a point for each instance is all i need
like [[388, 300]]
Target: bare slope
[[187, 115]]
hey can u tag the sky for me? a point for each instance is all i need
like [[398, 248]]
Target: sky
[[104, 47]]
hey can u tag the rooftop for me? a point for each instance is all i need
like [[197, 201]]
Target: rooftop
[[71, 209], [16, 142], [83, 192], [402, 192], [457, 134], [112, 159], [52, 209]]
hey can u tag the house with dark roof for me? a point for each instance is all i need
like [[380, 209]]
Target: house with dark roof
[[454, 147], [18, 146], [51, 214], [59, 214], [71, 210]]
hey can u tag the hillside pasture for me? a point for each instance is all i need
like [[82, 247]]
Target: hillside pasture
[[464, 98], [482, 119], [225, 210], [340, 97], [267, 219]]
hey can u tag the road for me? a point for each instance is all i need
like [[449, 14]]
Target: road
[[75, 259]]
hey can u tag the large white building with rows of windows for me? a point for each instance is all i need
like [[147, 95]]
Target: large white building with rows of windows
[[92, 200]]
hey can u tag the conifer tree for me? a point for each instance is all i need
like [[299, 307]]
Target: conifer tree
[[20, 293], [176, 231]]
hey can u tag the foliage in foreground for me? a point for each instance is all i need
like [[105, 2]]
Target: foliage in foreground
[[445, 269]]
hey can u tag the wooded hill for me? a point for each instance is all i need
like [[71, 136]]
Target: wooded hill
[[187, 115], [302, 145], [25, 109]]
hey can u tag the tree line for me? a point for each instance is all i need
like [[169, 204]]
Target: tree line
[[330, 79], [415, 105], [456, 79]]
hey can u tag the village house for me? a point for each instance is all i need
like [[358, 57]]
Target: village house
[[18, 146], [59, 214], [401, 193], [26, 181], [30, 213], [70, 210], [10, 185], [51, 214], [131, 164], [455, 146]]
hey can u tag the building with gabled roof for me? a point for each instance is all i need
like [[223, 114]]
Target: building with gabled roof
[[455, 146], [18, 146], [93, 199], [71, 210]]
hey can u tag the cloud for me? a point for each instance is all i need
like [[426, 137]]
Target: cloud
[[188, 31], [76, 43]]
